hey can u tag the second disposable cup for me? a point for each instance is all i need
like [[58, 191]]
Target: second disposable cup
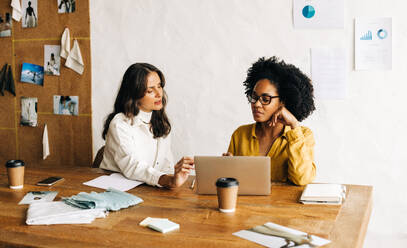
[[15, 172], [227, 189]]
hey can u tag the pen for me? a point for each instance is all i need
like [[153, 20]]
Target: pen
[[192, 184]]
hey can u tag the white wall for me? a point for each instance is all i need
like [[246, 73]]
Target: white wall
[[204, 48]]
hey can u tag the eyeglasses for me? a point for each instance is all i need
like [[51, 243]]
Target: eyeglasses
[[264, 99]]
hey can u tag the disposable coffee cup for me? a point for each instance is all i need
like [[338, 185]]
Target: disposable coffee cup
[[15, 172], [227, 194]]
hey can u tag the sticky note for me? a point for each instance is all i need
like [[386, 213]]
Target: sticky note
[[163, 226]]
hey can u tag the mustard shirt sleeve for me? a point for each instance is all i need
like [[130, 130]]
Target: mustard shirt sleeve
[[301, 166], [232, 148]]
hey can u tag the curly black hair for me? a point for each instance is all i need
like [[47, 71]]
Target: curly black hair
[[293, 86]]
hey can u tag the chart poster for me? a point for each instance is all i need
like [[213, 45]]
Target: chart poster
[[373, 44], [318, 13]]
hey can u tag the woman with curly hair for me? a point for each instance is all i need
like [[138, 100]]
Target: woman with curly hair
[[281, 96]]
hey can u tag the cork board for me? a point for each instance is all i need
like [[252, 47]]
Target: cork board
[[70, 137]]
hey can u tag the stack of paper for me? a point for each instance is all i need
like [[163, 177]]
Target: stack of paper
[[82, 208], [57, 212], [323, 194]]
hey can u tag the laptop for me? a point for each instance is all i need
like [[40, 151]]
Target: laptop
[[252, 172]]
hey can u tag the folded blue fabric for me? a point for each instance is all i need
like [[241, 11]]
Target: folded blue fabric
[[111, 199]]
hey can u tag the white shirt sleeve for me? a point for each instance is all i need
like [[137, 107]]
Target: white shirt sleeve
[[169, 163], [126, 156]]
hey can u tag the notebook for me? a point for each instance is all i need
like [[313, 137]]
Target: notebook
[[323, 193]]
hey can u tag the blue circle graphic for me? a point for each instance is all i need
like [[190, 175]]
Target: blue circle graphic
[[382, 34], [308, 11]]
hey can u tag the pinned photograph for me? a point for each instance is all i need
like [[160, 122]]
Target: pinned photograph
[[5, 25], [30, 13], [33, 74], [66, 6], [29, 111], [66, 105], [52, 60]]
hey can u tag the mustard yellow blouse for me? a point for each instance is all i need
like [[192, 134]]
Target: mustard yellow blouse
[[292, 154]]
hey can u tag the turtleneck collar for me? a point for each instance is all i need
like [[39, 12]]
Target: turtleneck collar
[[144, 116]]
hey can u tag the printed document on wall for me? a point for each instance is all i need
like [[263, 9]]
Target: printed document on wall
[[318, 13], [328, 69], [373, 44]]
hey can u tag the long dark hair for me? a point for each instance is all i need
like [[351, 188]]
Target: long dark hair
[[133, 88]]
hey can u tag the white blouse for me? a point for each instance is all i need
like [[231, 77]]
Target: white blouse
[[132, 150]]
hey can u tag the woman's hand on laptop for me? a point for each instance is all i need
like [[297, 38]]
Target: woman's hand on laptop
[[228, 154]]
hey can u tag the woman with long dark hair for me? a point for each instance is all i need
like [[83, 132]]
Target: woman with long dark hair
[[137, 131]]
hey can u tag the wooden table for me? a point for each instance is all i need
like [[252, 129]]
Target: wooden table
[[201, 224]]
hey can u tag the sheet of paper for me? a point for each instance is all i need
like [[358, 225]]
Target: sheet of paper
[[373, 44], [329, 75], [265, 240], [274, 241], [318, 13], [38, 196], [115, 180]]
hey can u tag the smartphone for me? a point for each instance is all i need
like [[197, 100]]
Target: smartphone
[[50, 181]]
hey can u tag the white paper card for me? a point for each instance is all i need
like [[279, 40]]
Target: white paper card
[[373, 44], [318, 13], [38, 196], [163, 226], [329, 74], [115, 180], [149, 220]]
